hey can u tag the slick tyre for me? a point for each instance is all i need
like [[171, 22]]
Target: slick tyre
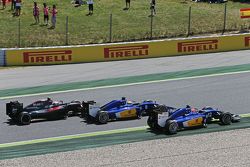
[[171, 127], [162, 108], [226, 118], [139, 115], [102, 117], [204, 125], [152, 124], [25, 118]]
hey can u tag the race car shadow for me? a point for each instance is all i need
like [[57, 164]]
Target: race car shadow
[[213, 124], [162, 132], [10, 122], [114, 120], [217, 122]]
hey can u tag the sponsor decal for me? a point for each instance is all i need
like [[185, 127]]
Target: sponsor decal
[[54, 108], [128, 113], [47, 56], [247, 39], [195, 122], [126, 51], [197, 46]]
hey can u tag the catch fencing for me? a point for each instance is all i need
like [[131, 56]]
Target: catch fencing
[[123, 27]]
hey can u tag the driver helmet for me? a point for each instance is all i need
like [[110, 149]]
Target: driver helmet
[[193, 109], [123, 98]]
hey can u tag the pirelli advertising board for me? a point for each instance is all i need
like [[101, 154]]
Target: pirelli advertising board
[[124, 51]]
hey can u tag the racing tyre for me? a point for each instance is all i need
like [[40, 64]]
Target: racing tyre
[[139, 115], [162, 108], [226, 118], [204, 125], [102, 117], [25, 118], [152, 124], [171, 127]]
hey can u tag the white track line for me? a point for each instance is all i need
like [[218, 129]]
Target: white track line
[[122, 85]]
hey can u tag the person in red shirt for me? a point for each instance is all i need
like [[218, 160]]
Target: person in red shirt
[[4, 4], [36, 12], [45, 14], [53, 18]]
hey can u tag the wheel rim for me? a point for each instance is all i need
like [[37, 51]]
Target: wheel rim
[[227, 119], [25, 119], [103, 117], [173, 127]]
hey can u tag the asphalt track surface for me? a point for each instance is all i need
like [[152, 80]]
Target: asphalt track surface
[[44, 75], [229, 93]]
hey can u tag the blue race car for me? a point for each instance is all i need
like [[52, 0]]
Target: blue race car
[[116, 109], [171, 120]]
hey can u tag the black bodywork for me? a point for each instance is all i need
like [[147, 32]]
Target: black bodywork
[[41, 109]]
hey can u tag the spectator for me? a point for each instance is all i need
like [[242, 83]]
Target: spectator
[[152, 7], [91, 6], [127, 4], [13, 5], [45, 14], [4, 4], [18, 7], [36, 13], [53, 18]]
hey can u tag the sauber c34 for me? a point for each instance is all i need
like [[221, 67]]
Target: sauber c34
[[116, 109], [170, 120]]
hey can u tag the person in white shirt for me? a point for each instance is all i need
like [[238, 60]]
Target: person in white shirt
[[152, 7]]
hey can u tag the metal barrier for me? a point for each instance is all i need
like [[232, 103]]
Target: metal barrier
[[125, 50], [2, 57]]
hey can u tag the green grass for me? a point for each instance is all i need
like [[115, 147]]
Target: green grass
[[133, 24]]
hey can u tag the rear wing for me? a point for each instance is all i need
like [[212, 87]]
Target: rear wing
[[13, 107], [90, 109], [85, 106]]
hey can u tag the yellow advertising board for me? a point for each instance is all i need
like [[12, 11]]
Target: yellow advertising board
[[124, 51]]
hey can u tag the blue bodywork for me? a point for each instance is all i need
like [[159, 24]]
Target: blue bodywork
[[116, 106], [188, 114], [188, 117], [123, 108]]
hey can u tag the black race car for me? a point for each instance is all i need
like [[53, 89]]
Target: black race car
[[41, 109]]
